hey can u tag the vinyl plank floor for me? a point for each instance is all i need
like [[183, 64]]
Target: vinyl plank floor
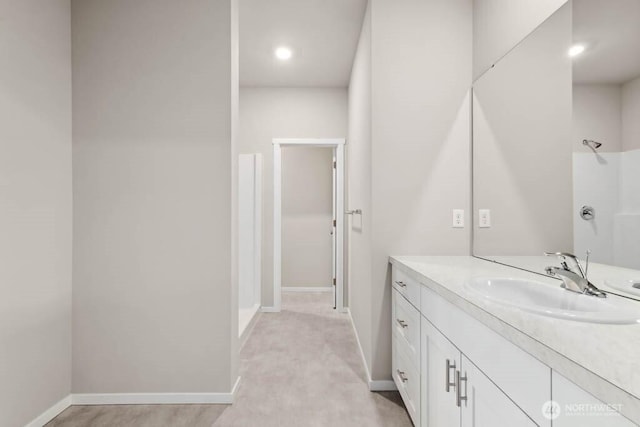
[[300, 367], [139, 416]]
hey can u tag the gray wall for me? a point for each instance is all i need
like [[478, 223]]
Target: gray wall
[[420, 76], [359, 190], [35, 208], [409, 127], [597, 115], [499, 25], [630, 115], [421, 62], [522, 145], [307, 215], [153, 305], [267, 113], [234, 57]]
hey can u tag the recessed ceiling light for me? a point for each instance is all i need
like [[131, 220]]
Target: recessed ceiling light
[[283, 53], [576, 50]]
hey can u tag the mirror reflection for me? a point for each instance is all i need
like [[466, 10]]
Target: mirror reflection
[[556, 140], [606, 130]]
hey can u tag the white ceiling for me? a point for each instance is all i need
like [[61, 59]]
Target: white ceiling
[[611, 31], [323, 35]]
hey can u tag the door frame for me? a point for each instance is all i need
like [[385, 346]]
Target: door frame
[[255, 159], [338, 145]]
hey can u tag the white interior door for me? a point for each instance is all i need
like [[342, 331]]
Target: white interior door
[[334, 257]]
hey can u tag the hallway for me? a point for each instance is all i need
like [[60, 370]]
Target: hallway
[[301, 367]]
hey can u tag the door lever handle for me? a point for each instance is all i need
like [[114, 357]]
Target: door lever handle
[[402, 376]]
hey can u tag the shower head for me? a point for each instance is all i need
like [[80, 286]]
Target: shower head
[[594, 145]]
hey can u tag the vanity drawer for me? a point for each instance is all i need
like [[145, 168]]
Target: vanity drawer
[[406, 325], [408, 287], [407, 378]]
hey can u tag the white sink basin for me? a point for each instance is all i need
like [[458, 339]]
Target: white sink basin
[[629, 286], [547, 300]]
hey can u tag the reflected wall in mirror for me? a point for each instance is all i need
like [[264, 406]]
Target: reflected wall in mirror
[[521, 149], [556, 145]]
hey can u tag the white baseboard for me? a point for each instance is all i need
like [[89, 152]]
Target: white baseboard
[[245, 317], [152, 398], [134, 399], [244, 336], [378, 385], [269, 310], [234, 390], [51, 413], [149, 398], [307, 288]]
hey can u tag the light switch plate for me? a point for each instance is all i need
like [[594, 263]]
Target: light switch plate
[[484, 218], [458, 218]]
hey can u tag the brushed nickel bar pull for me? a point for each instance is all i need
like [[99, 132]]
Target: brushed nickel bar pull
[[449, 384], [401, 284], [402, 323], [459, 397]]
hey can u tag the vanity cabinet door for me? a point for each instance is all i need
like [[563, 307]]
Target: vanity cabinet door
[[574, 407], [438, 356], [483, 404]]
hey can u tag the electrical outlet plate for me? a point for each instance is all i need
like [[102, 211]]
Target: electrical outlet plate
[[458, 218], [484, 218]]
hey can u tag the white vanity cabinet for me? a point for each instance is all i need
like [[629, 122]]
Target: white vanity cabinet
[[429, 361], [453, 370]]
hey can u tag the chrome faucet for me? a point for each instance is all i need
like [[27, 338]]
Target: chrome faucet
[[576, 281]]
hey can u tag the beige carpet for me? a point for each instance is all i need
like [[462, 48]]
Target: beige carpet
[[300, 367]]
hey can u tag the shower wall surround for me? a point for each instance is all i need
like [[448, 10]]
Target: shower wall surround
[[610, 183]]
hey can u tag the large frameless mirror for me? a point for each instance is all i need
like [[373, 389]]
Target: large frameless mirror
[[556, 146]]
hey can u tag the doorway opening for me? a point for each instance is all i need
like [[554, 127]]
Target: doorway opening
[[335, 226]]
